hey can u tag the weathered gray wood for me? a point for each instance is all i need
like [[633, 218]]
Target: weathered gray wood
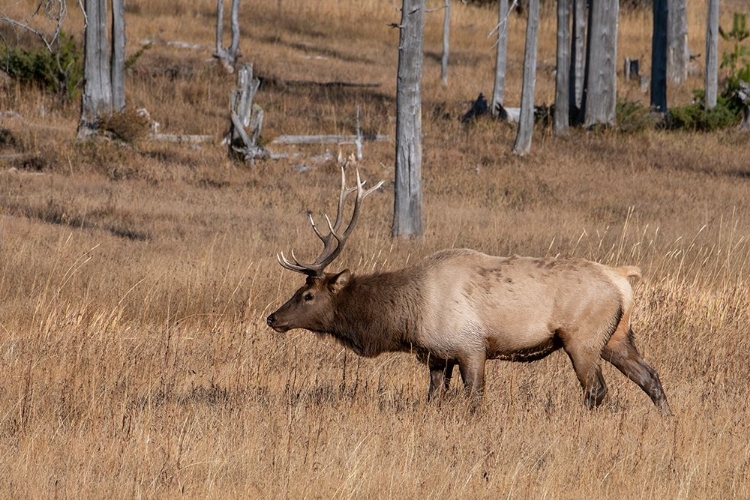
[[678, 52], [510, 115], [522, 145], [601, 81], [244, 117], [219, 28], [659, 57], [631, 69], [712, 54], [228, 56], [118, 55], [96, 100], [328, 139], [407, 211], [743, 95], [235, 19], [562, 76], [745, 122], [577, 56], [446, 42], [501, 57], [184, 138]]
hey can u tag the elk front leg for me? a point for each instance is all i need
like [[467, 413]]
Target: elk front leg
[[441, 371]]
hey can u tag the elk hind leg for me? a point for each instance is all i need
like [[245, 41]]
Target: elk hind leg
[[622, 353], [441, 371]]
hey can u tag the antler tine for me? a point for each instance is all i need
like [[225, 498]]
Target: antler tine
[[361, 195], [334, 241], [297, 267], [315, 228], [342, 201], [339, 211], [362, 184]]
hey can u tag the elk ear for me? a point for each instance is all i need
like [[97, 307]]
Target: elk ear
[[339, 281]]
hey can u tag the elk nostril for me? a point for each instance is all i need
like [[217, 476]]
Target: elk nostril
[[271, 320]]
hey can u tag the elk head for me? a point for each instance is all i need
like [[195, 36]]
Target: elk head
[[312, 306]]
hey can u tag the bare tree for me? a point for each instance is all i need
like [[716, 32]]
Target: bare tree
[[228, 56], [102, 82], [498, 93], [577, 58], [446, 42], [712, 53], [118, 55], [407, 212], [562, 77], [522, 145], [601, 71], [678, 52], [659, 57]]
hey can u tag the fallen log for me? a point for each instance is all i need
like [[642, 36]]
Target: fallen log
[[328, 139], [184, 138]]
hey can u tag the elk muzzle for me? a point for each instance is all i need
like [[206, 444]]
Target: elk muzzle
[[273, 322]]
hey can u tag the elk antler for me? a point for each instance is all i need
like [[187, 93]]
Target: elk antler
[[334, 241]]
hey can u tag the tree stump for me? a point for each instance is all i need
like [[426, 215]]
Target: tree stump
[[246, 119]]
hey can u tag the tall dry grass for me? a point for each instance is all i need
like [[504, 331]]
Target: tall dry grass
[[135, 281]]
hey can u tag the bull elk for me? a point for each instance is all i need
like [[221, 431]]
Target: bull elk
[[462, 307]]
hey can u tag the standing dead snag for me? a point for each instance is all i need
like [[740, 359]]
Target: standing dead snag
[[104, 88], [461, 307], [498, 91], [407, 199], [712, 54], [522, 146], [227, 56], [246, 119]]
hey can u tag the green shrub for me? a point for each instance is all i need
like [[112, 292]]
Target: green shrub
[[59, 71], [696, 117]]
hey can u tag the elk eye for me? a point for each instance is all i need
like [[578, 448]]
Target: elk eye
[[307, 297]]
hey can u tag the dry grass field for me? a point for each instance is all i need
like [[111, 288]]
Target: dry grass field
[[135, 279]]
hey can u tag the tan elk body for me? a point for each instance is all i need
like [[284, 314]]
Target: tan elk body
[[462, 307]]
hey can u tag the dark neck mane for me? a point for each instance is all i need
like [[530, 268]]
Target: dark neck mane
[[378, 313]]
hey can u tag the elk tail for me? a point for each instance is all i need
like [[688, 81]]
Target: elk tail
[[633, 273]]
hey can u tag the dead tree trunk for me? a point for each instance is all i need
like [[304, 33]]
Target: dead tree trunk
[[446, 42], [526, 122], [712, 53], [601, 81], [219, 28], [498, 93], [246, 119], [407, 212], [97, 88], [227, 56], [577, 58], [659, 57], [118, 55], [678, 53], [562, 78]]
